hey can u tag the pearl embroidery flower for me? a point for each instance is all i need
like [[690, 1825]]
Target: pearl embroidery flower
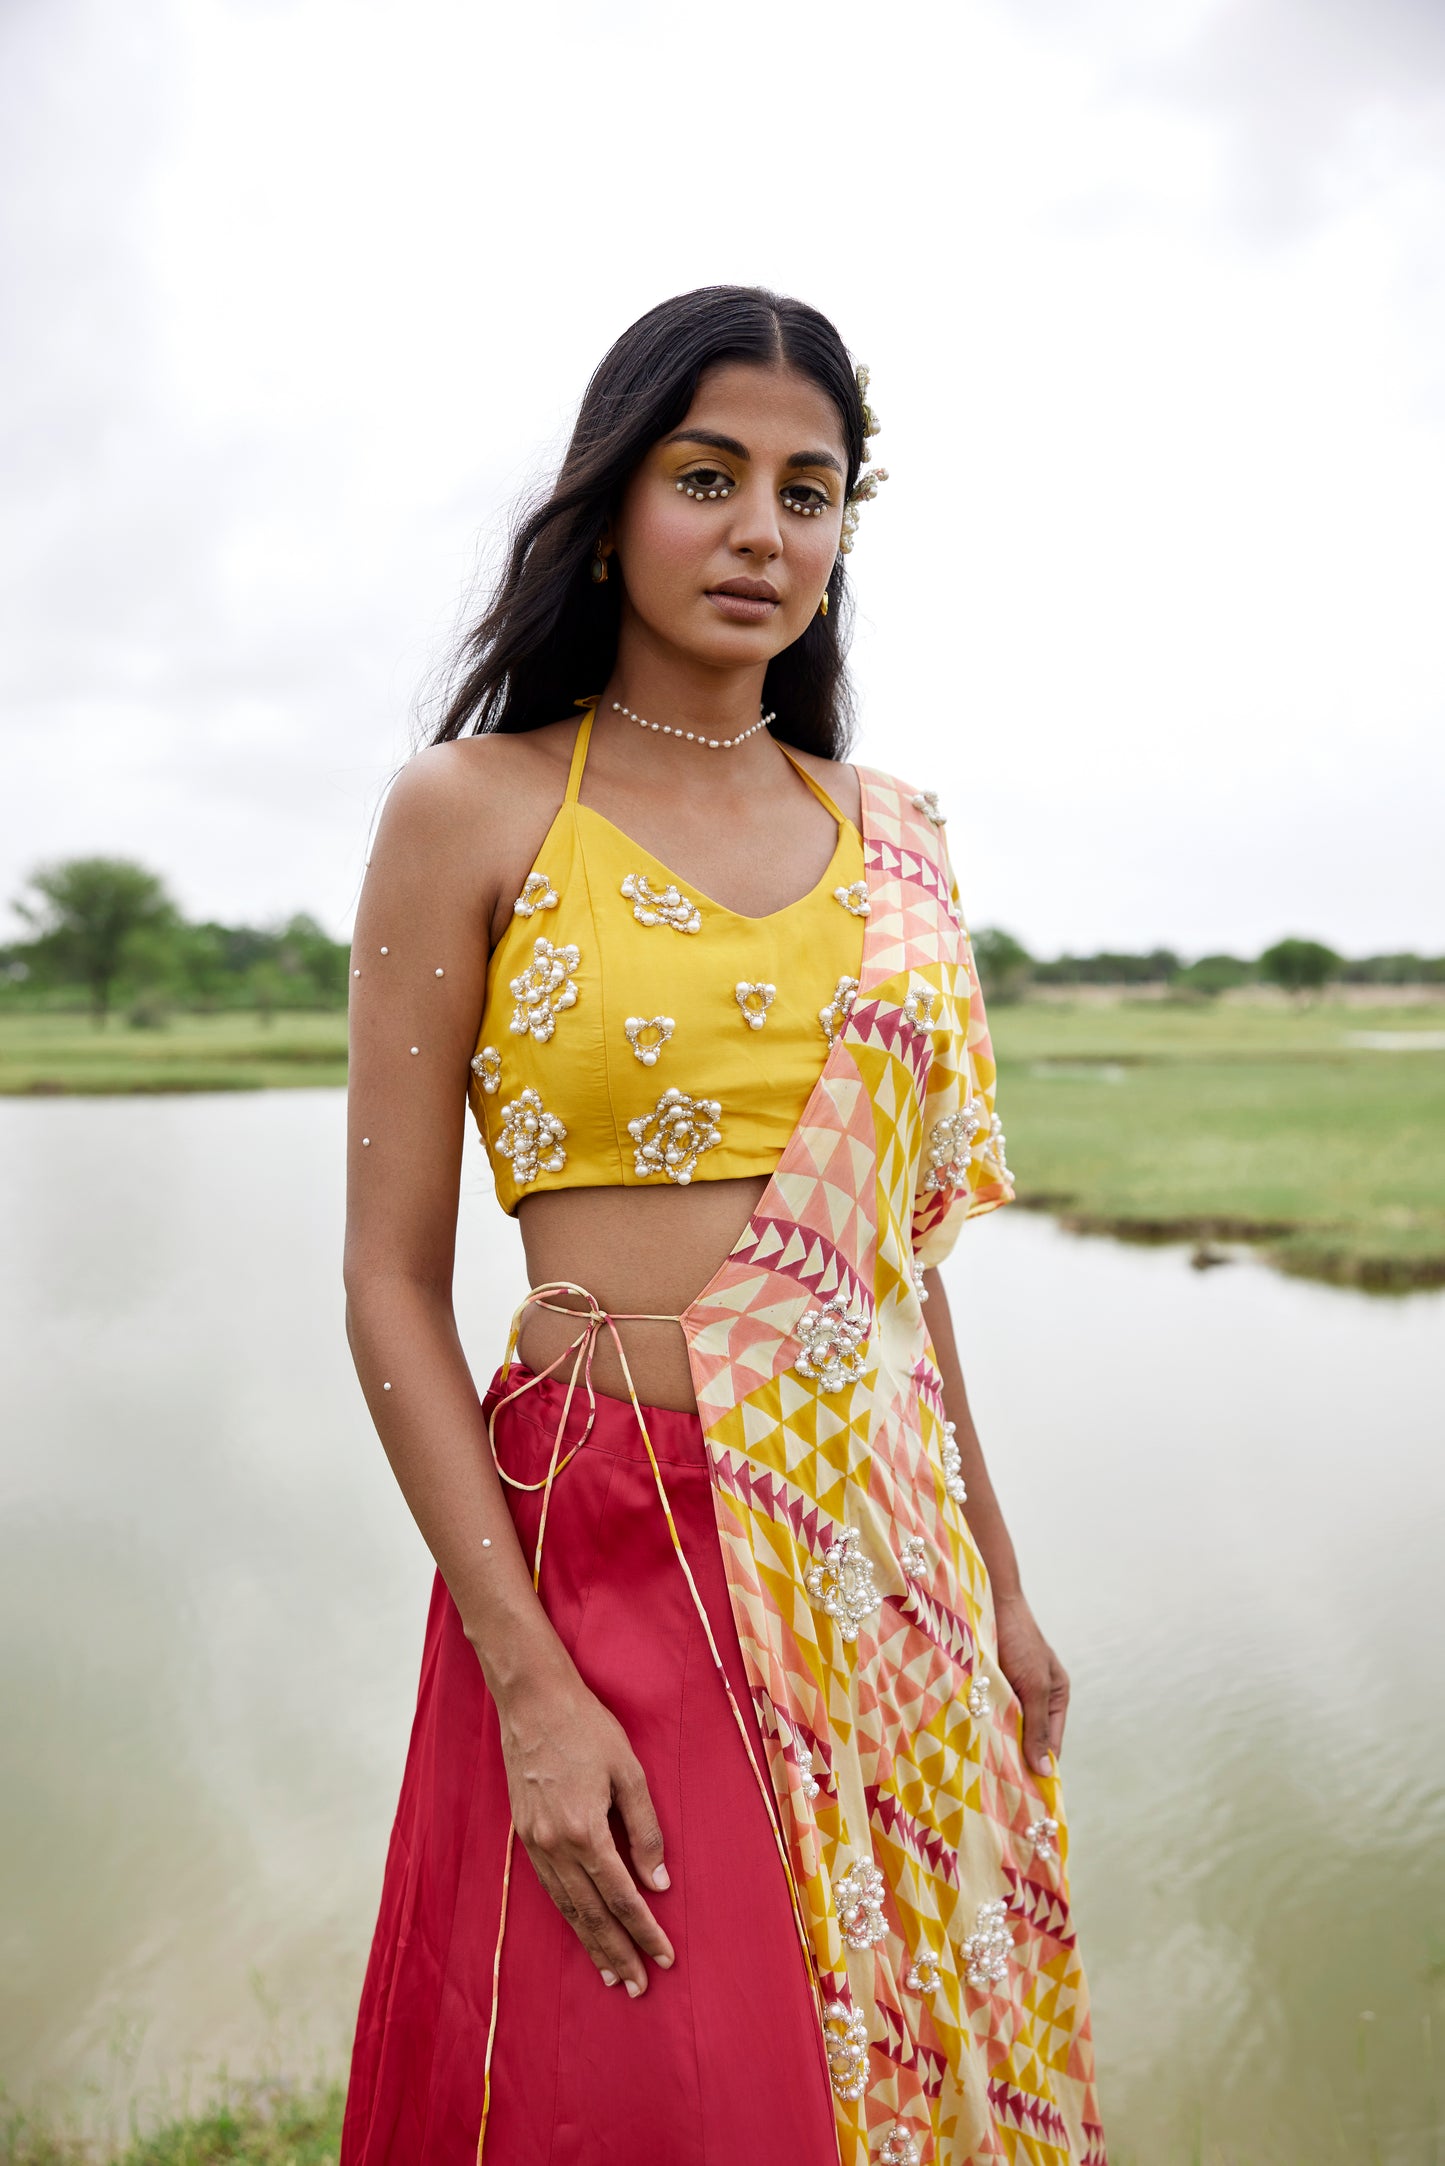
[[839, 1008], [953, 1466], [648, 1035], [537, 894], [912, 1556], [834, 1345], [918, 1286], [923, 1974], [673, 1136], [926, 802], [755, 999], [923, 1007], [949, 1144], [900, 2149], [990, 1149], [845, 2034], [858, 1900], [527, 1131], [854, 899], [810, 1780], [543, 990], [1041, 1834], [842, 1583], [661, 906], [978, 1700], [487, 1068], [989, 1946]]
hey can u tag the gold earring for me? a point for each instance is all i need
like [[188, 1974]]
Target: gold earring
[[823, 605], [599, 566]]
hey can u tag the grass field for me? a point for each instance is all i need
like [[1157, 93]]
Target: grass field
[[43, 1055], [248, 2124], [1236, 1122], [1147, 1119]]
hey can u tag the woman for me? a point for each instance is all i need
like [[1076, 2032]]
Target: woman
[[730, 1827]]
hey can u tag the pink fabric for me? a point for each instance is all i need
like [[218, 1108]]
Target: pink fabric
[[722, 2059]]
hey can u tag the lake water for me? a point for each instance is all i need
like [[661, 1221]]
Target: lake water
[[1226, 1488]]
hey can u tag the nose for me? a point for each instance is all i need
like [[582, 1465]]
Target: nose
[[757, 527]]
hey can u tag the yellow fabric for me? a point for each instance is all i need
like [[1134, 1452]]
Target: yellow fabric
[[604, 936]]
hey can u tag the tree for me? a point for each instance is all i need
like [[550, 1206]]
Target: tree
[[1005, 965], [87, 913], [1213, 974], [1300, 966]]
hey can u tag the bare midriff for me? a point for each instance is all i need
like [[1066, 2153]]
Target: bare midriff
[[649, 1249]]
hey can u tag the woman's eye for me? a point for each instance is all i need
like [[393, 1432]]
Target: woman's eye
[[806, 497], [706, 481]]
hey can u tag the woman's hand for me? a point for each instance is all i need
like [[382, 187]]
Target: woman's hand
[[568, 1764], [1037, 1676]]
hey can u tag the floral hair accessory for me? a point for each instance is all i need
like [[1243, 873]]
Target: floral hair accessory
[[866, 486]]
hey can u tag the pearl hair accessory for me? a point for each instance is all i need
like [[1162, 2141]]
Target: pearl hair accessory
[[866, 486], [715, 744]]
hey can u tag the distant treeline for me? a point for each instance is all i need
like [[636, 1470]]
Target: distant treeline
[[1295, 965], [105, 933]]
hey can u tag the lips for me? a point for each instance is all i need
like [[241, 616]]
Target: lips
[[746, 601], [753, 590]]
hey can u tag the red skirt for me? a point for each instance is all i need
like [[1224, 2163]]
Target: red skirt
[[722, 2058]]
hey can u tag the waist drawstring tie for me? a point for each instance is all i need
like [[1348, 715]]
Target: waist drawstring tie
[[581, 1349]]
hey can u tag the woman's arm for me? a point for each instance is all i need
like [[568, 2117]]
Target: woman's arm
[[418, 978], [1025, 1656]]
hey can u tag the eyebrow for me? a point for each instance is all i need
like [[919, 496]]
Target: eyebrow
[[731, 445]]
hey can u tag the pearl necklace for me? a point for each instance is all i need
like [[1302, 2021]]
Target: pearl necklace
[[715, 744]]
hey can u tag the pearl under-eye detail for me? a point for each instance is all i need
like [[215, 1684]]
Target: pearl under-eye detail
[[695, 737], [647, 1035], [755, 999], [673, 1136], [709, 495], [661, 906]]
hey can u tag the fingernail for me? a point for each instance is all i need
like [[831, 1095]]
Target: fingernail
[[660, 1879], [609, 1977], [663, 1962], [633, 1987]]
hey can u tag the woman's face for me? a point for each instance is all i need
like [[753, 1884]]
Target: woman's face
[[773, 441]]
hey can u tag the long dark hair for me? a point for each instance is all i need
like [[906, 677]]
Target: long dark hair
[[549, 637]]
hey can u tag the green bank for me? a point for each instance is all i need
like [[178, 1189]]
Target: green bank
[[1314, 1132], [248, 2124]]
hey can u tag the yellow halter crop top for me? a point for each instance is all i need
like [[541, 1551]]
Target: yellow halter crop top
[[635, 1031]]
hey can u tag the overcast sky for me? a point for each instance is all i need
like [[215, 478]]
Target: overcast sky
[[297, 297]]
